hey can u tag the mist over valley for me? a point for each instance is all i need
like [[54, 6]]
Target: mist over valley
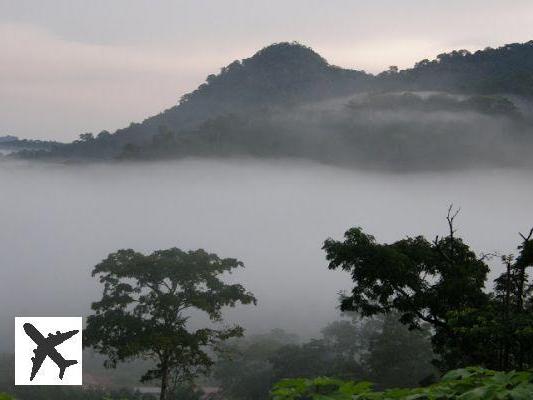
[[383, 221], [60, 221]]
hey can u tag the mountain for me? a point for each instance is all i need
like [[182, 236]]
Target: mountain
[[286, 100], [278, 76]]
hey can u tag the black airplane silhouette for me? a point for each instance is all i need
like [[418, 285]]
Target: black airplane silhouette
[[46, 347]]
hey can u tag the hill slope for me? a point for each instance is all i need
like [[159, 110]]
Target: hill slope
[[257, 106], [277, 76]]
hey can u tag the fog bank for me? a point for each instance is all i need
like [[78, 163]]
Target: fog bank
[[57, 222]]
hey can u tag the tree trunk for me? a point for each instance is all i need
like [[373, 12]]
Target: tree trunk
[[507, 306], [520, 306], [164, 381]]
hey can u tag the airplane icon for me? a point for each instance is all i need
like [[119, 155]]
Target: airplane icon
[[46, 348]]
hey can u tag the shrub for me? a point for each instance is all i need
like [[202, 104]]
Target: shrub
[[471, 383]]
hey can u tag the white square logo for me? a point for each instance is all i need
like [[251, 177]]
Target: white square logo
[[48, 351]]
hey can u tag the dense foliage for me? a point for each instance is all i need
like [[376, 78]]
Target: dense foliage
[[146, 306], [506, 69], [463, 384], [442, 283], [499, 335]]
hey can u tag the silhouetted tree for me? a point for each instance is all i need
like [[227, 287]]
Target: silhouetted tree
[[441, 284], [420, 280], [86, 137], [146, 303], [500, 335]]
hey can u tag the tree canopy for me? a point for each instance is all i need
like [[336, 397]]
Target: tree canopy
[[442, 283], [147, 302], [421, 280]]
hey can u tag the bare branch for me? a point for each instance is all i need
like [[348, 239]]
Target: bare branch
[[528, 237], [450, 217], [488, 256]]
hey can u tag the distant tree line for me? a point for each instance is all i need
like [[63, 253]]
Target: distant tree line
[[380, 350], [27, 145]]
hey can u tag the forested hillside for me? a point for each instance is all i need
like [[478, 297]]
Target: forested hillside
[[460, 109], [507, 69]]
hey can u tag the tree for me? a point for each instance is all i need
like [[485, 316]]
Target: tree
[[420, 280], [500, 335], [243, 370], [104, 135], [398, 356], [379, 349], [441, 284], [347, 342], [338, 352], [86, 137], [147, 302], [130, 151], [310, 359]]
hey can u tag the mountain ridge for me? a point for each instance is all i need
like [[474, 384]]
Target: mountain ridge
[[284, 76]]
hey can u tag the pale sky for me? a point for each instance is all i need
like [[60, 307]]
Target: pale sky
[[72, 66]]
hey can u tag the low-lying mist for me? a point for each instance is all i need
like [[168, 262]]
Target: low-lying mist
[[408, 131], [57, 222]]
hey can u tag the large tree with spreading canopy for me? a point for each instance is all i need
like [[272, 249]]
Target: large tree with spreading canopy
[[146, 305]]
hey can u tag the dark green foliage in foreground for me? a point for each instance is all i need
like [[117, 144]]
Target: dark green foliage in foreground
[[463, 384], [147, 302], [442, 283]]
